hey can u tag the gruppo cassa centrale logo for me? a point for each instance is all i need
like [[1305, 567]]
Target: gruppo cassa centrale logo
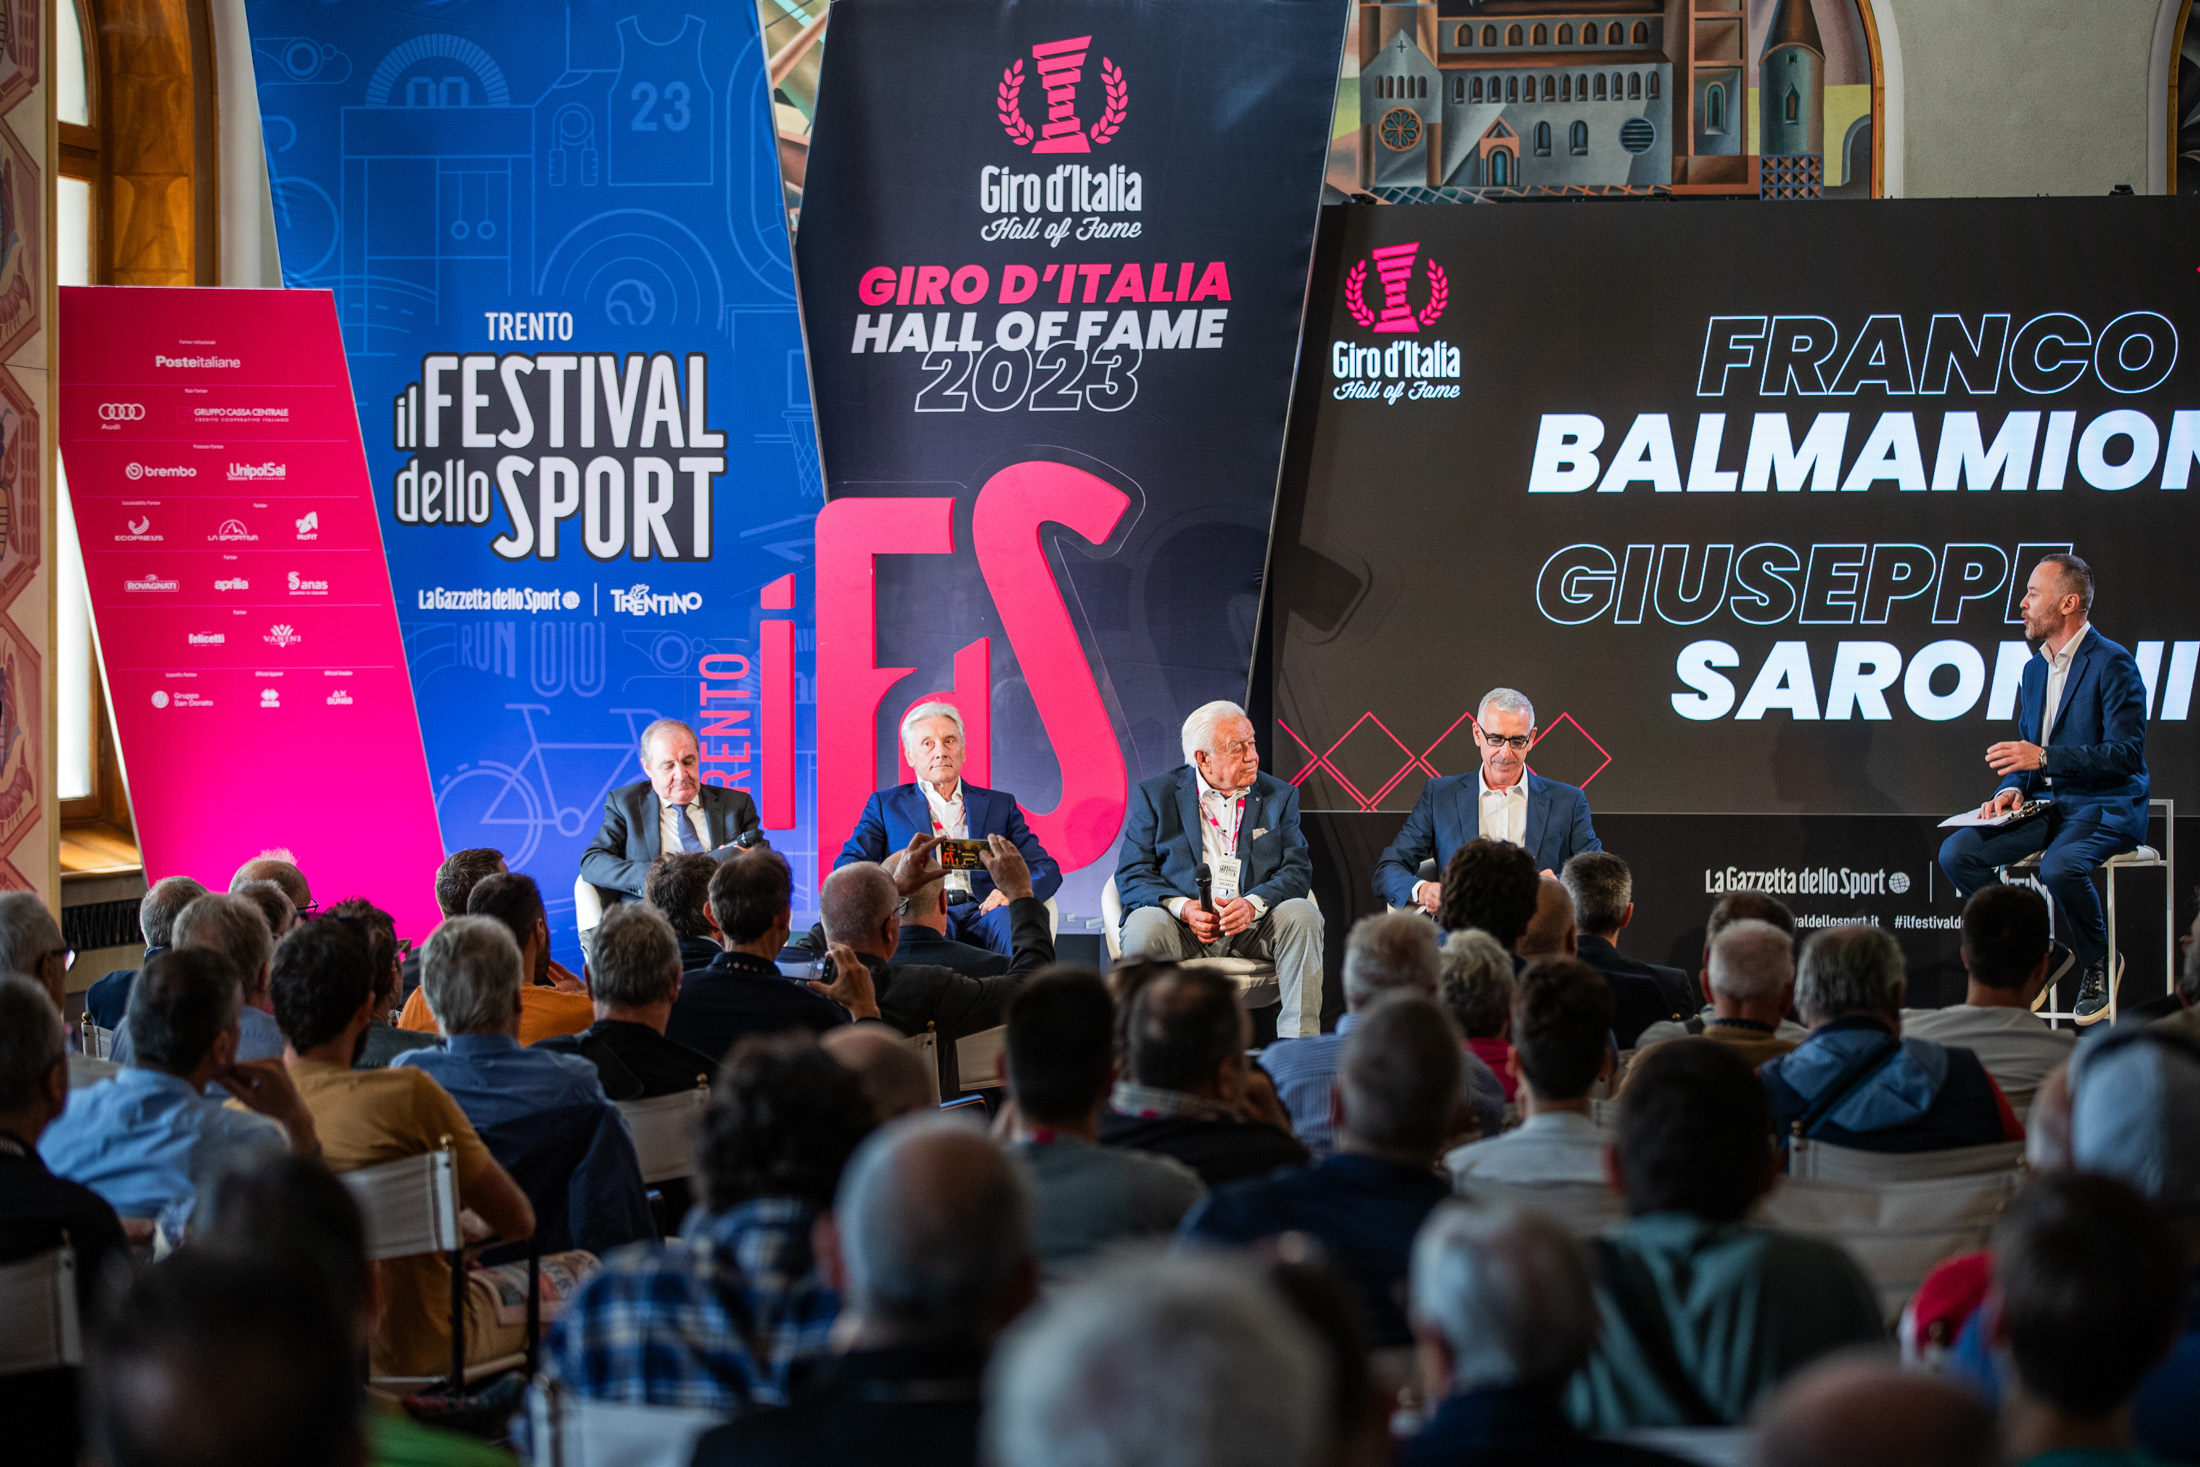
[[1059, 67], [1394, 270]]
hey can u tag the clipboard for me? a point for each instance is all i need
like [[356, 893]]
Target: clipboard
[[1971, 818]]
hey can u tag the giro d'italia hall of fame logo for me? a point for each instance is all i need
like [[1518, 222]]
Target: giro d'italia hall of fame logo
[[1404, 300], [1057, 68]]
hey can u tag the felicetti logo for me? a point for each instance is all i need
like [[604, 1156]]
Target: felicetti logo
[[1394, 269], [1059, 66]]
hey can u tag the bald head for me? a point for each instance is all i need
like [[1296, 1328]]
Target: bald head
[[935, 1234], [857, 903], [1550, 932], [279, 869], [1862, 1408], [893, 1077]]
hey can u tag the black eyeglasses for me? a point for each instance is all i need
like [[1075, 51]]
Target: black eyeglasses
[[1519, 742]]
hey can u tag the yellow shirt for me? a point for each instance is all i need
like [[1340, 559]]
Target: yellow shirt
[[542, 1012]]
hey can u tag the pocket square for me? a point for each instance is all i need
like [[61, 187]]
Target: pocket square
[[1259, 831]]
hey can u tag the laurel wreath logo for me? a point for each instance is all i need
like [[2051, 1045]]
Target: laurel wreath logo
[[1355, 295], [1439, 294], [1008, 104], [1118, 94], [1355, 287]]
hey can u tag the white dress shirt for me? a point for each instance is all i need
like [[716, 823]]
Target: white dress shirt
[[952, 822], [1554, 1146], [2058, 671], [1219, 815], [668, 824], [1504, 813]]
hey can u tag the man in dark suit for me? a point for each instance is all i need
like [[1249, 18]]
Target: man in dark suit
[[924, 938], [671, 810], [742, 992], [1643, 994], [1502, 800], [1219, 811], [636, 980], [2082, 744], [941, 802]]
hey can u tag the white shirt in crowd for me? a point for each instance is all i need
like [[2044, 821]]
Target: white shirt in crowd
[[1219, 815], [951, 821], [670, 818], [2017, 1048], [1504, 813], [1553, 1146]]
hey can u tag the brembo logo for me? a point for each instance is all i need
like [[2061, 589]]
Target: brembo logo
[[1394, 269], [122, 412], [1060, 65]]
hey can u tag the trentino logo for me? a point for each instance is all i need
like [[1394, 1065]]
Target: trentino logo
[[1060, 65], [1394, 269], [638, 601]]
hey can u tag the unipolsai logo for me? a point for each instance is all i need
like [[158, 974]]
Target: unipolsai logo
[[1395, 273], [1059, 66]]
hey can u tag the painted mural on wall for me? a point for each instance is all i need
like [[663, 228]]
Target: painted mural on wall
[[27, 810], [1448, 101]]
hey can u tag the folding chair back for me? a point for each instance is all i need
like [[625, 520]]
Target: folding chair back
[[572, 1431], [39, 1327], [663, 1129]]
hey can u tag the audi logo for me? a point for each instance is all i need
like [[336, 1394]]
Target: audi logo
[[122, 412]]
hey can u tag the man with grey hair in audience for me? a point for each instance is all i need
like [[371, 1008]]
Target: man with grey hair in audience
[[1862, 1407], [634, 979], [163, 902], [274, 904], [1603, 888], [30, 944], [1856, 1081], [929, 1245], [1160, 1362], [671, 809], [1503, 1315], [1749, 977], [1384, 955], [236, 927], [1217, 814], [280, 867]]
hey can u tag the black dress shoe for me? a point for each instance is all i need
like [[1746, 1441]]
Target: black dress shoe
[[2092, 1004]]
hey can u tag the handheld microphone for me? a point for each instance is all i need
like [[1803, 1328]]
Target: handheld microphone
[[1206, 879], [749, 839]]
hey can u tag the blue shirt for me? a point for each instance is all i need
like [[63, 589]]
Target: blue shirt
[[257, 1038], [145, 1141], [1305, 1069], [494, 1079]]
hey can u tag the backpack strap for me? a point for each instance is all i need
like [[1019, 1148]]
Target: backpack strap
[[1645, 1319]]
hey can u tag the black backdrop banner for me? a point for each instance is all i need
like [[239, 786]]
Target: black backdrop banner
[[1743, 499], [1053, 261]]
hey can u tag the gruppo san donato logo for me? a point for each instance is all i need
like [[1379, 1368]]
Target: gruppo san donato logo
[[1060, 66]]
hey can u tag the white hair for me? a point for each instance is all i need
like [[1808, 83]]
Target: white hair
[[1393, 952], [931, 708], [1751, 960], [1504, 700], [470, 973], [664, 726], [1508, 1290], [1199, 729], [1152, 1360]]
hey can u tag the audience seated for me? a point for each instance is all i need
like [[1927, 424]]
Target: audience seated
[[215, 1361], [237, 928], [147, 1139], [1861, 1408], [1384, 955], [2082, 1316], [551, 1000], [31, 945], [2006, 953], [324, 987], [724, 1315], [1503, 1315], [1856, 1081], [278, 867], [1398, 1089], [636, 977], [1603, 889], [923, 937], [1561, 1025], [1749, 978], [1703, 1312], [1060, 1063], [543, 1116], [1161, 1362], [860, 904], [384, 1041], [894, 1079], [455, 880], [274, 905], [1735, 906], [40, 1212], [930, 1247], [741, 992], [1187, 1094], [1476, 987], [678, 886], [1493, 885], [162, 903], [1550, 933]]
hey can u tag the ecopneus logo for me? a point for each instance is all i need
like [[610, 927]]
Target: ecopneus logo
[[1394, 269], [1059, 66]]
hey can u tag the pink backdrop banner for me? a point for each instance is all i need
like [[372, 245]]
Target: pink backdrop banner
[[238, 585]]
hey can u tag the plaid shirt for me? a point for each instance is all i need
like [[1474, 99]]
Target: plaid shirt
[[719, 1318]]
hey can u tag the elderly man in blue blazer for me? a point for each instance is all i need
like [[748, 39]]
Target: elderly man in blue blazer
[[1218, 810], [2082, 744], [1502, 800], [939, 801]]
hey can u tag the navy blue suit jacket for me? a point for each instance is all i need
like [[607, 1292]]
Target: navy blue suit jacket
[[2097, 752], [1161, 842], [1448, 815], [892, 817]]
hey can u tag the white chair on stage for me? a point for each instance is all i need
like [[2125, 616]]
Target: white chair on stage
[[2145, 857]]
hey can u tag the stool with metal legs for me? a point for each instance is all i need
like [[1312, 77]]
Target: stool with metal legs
[[2027, 871]]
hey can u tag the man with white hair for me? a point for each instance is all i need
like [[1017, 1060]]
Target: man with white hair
[[673, 809], [939, 801], [929, 1245], [1502, 800], [1749, 976], [1503, 1315], [1218, 813], [1221, 1372], [236, 927]]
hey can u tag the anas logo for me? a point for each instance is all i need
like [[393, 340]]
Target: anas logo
[[300, 586], [1394, 268], [637, 600], [1059, 66], [122, 412], [282, 634]]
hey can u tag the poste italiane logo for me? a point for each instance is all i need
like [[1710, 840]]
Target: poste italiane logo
[[1059, 66], [1394, 269]]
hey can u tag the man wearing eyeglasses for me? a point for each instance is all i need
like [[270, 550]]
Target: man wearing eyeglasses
[[1503, 800]]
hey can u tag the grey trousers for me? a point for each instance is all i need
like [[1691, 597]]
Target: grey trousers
[[1290, 936]]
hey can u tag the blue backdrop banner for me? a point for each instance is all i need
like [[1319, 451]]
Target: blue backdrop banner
[[558, 244]]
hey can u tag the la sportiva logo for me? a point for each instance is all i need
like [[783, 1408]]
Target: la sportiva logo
[[1060, 65], [1394, 269]]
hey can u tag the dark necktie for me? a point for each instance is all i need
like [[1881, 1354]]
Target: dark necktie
[[683, 816]]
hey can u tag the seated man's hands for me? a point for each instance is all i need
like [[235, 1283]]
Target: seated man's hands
[[1005, 864], [1428, 896], [2002, 802], [993, 899], [265, 1086], [1205, 925], [1236, 915], [2014, 754]]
